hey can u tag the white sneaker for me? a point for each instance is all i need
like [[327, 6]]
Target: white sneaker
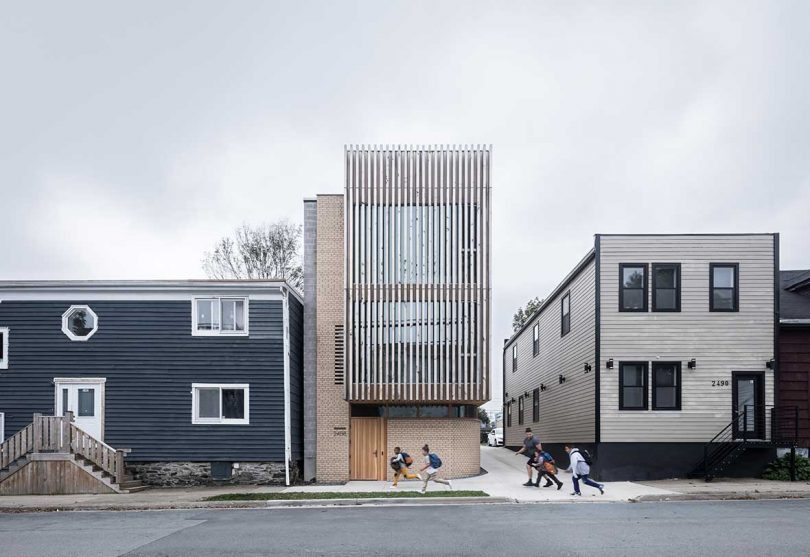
[[422, 491], [394, 486], [450, 485]]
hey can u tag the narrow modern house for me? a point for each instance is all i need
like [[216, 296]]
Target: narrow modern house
[[161, 382], [397, 290], [658, 353], [793, 388]]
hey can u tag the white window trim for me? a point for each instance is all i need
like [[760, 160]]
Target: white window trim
[[196, 333], [2, 426], [4, 362], [69, 333], [219, 421]]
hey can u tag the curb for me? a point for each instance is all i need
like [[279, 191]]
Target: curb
[[721, 496], [299, 503]]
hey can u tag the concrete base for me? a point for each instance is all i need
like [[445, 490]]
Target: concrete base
[[657, 461]]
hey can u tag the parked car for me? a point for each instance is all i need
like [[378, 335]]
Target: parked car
[[495, 437]]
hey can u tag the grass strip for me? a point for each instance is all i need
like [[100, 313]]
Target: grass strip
[[303, 495]]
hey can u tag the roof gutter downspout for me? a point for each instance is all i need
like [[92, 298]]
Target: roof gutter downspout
[[287, 435]]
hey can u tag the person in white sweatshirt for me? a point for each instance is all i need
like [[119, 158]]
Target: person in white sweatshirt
[[580, 471]]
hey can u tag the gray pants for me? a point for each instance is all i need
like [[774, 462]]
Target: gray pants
[[428, 477]]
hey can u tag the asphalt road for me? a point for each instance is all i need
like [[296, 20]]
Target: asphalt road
[[682, 529]]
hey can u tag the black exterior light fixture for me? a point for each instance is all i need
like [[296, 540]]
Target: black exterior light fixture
[[526, 394], [562, 379], [587, 367], [609, 364], [512, 401], [691, 364], [542, 387], [769, 364]]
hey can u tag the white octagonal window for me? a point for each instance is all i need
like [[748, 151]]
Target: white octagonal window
[[79, 322]]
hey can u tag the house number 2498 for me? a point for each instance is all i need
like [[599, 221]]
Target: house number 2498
[[720, 383]]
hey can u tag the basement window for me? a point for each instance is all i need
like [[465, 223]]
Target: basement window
[[220, 403]]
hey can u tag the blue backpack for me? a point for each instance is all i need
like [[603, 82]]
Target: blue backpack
[[435, 461], [547, 456]]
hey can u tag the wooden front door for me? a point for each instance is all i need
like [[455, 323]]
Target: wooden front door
[[367, 441]]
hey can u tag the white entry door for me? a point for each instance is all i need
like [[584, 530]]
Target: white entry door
[[85, 398]]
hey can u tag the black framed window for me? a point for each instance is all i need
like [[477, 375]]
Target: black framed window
[[520, 410], [633, 287], [666, 287], [724, 287], [514, 357], [565, 314], [508, 414], [536, 405], [632, 385], [666, 380], [536, 339]]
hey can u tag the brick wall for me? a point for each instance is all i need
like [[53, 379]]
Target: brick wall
[[332, 420], [456, 441]]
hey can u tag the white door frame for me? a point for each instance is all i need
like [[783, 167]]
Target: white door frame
[[100, 382]]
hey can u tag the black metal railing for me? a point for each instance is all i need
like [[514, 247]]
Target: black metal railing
[[749, 428]]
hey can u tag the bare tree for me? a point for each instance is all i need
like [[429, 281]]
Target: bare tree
[[265, 251]]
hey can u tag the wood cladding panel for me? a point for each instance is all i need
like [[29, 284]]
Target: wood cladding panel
[[52, 477]]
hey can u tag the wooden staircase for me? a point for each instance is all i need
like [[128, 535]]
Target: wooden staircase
[[51, 456]]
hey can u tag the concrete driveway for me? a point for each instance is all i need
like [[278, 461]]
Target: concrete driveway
[[505, 474]]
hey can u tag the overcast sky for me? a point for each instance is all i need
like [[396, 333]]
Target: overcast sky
[[134, 135]]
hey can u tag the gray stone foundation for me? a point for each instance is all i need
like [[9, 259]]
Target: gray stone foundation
[[185, 474]]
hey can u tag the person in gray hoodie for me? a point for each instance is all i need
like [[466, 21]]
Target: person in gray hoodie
[[580, 471]]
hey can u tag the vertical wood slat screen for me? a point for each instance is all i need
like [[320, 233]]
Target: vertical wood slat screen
[[417, 280]]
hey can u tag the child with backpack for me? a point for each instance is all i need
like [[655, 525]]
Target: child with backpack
[[431, 468], [400, 463], [580, 467], [544, 463]]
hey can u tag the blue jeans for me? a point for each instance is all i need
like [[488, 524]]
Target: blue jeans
[[587, 481]]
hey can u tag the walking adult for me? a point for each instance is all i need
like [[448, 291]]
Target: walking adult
[[531, 446]]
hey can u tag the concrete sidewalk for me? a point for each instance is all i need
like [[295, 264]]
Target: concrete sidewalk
[[505, 474]]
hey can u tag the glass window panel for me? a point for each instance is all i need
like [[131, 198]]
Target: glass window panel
[[724, 277], [402, 411], [81, 322], [228, 315], [233, 404], [633, 277], [64, 401], [665, 299], [536, 332], [208, 402], [207, 315], [2, 345], [665, 377], [723, 298], [633, 376], [665, 277], [433, 411], [665, 397], [633, 397], [239, 309], [633, 299], [87, 399], [566, 305]]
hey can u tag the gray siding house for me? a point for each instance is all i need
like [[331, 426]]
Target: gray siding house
[[201, 380], [649, 348]]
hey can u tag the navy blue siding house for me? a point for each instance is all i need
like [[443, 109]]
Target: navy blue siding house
[[202, 380]]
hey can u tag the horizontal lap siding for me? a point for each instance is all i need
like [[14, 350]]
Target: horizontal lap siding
[[566, 411], [146, 352], [720, 342]]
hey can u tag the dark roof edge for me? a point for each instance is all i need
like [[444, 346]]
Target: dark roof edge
[[569, 278]]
